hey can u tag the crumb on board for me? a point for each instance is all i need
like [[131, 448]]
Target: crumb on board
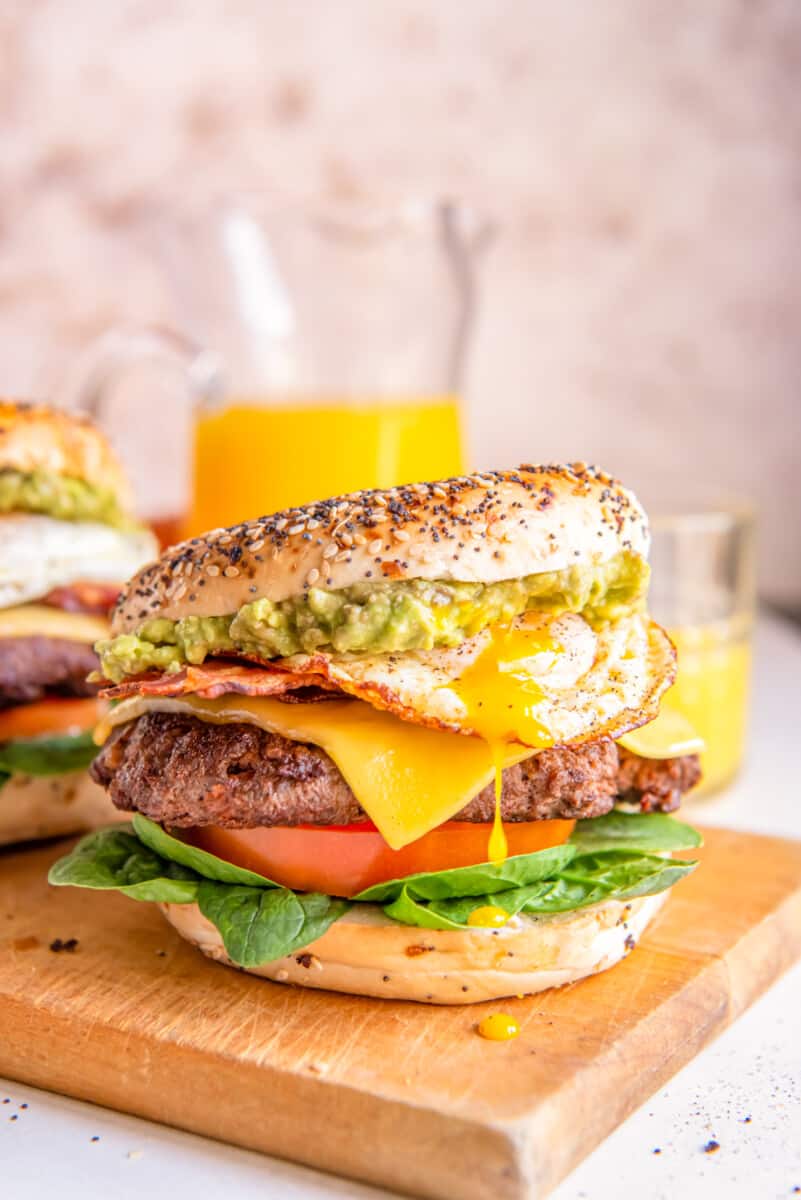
[[58, 945]]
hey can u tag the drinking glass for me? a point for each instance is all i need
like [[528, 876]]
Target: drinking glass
[[703, 592], [322, 347]]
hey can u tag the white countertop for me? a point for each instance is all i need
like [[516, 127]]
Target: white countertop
[[744, 1092]]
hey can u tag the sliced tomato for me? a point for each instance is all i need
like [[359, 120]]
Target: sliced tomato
[[342, 860], [55, 715]]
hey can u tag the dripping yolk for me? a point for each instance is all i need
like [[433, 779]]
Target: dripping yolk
[[498, 850], [489, 916], [500, 691], [498, 1027], [501, 694]]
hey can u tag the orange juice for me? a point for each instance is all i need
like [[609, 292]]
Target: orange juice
[[253, 457], [711, 691]]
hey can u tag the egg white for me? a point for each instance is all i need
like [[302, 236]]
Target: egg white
[[39, 553], [600, 684]]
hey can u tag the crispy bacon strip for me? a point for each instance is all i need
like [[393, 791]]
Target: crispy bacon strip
[[96, 599], [216, 677]]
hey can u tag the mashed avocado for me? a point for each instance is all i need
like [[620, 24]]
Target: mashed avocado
[[378, 617], [60, 496]]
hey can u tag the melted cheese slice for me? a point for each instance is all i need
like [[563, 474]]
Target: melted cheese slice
[[407, 778], [42, 620], [669, 735]]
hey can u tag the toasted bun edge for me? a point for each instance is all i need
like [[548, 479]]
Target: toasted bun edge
[[35, 807], [365, 953]]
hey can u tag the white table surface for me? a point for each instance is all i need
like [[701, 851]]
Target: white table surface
[[743, 1092]]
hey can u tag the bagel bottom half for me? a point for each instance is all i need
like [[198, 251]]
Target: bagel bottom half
[[43, 806], [368, 954]]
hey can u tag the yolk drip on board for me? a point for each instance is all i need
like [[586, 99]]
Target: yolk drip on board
[[498, 1027], [500, 695]]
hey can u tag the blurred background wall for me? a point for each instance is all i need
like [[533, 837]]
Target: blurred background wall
[[642, 302]]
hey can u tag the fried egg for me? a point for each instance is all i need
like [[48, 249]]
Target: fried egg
[[38, 553], [542, 681]]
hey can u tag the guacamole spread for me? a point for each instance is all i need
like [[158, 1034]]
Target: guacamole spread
[[60, 496], [410, 614]]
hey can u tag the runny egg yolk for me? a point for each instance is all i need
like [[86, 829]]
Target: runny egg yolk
[[488, 916], [500, 694], [498, 1027]]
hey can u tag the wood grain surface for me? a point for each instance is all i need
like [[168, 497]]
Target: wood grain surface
[[397, 1094]]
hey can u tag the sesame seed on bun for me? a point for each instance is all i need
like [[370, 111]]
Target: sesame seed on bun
[[479, 528]]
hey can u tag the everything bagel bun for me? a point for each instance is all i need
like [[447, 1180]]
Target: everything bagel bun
[[45, 806], [368, 954], [34, 437], [477, 528]]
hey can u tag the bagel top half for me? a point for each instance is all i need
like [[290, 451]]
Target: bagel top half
[[484, 528]]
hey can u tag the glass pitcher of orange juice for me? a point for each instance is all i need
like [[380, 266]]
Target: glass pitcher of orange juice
[[322, 348]]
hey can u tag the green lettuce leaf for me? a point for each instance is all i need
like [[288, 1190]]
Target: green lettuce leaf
[[625, 874], [454, 914], [201, 861], [619, 856], [637, 831], [116, 860], [618, 831], [587, 880], [258, 925], [481, 880], [47, 755]]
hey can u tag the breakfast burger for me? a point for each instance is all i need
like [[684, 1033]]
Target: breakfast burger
[[67, 542], [390, 744]]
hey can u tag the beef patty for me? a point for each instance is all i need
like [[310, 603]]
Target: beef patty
[[32, 667], [182, 771]]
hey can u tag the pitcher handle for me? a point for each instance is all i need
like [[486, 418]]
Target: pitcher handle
[[105, 362]]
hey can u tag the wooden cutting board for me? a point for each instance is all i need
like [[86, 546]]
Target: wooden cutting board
[[403, 1095]]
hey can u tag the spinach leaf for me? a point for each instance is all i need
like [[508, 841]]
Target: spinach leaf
[[258, 925], [612, 876], [481, 880], [454, 914], [4, 778], [47, 755], [634, 833], [637, 831], [116, 860], [205, 864], [625, 875], [554, 895], [408, 911], [619, 856], [587, 880]]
